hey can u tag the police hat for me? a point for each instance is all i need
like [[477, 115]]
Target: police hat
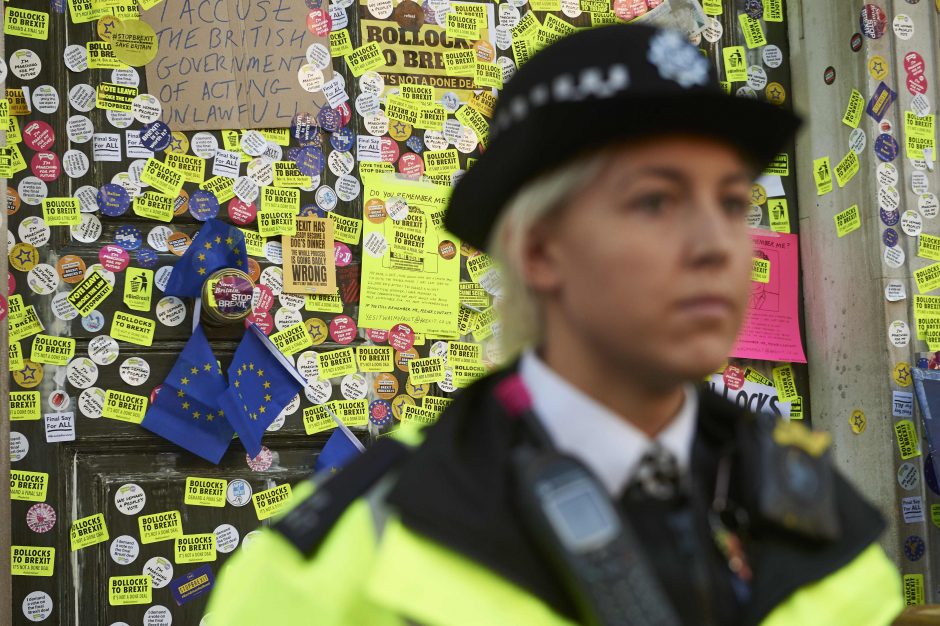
[[595, 88]]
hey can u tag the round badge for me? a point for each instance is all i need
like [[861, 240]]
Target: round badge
[[911, 223], [380, 412], [858, 421], [399, 403], [343, 329], [829, 75], [75, 58], [156, 136], [886, 147], [25, 64], [317, 329], [890, 237], [38, 135], [171, 311], [19, 446], [178, 243], [238, 492], [160, 570], [226, 538], [37, 606], [318, 391], [914, 64], [124, 550], [857, 140], [23, 257], [354, 386], [114, 258], [903, 26], [130, 499], [899, 333], [873, 21], [40, 518], [32, 190], [113, 200], [82, 372], [203, 205], [914, 548], [135, 371], [261, 462]]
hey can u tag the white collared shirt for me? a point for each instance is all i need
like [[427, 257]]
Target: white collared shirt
[[607, 443]]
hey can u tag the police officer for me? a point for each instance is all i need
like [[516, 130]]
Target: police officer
[[591, 482]]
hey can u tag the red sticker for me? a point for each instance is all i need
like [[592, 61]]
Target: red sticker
[[114, 258], [45, 166], [40, 517], [319, 23], [262, 299], [38, 135], [3, 308], [342, 254], [917, 84], [345, 114], [343, 329], [11, 283], [261, 462], [734, 377], [242, 213], [377, 335], [389, 150], [155, 393], [411, 164], [263, 321], [914, 63], [401, 337]]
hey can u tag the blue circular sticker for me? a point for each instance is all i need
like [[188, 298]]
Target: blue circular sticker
[[128, 237], [147, 258], [93, 322], [890, 218], [343, 139], [203, 205], [886, 147], [415, 143], [914, 548], [312, 210], [156, 136], [310, 161], [890, 237], [922, 363], [754, 9], [380, 412], [113, 200], [328, 119]]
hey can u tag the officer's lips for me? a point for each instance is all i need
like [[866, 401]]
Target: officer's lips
[[706, 306]]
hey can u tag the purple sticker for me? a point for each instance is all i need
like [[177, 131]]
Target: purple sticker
[[873, 21], [890, 218], [128, 237], [232, 295], [890, 237], [328, 119], [156, 136], [203, 205], [147, 258], [880, 102], [415, 144], [192, 585], [886, 147], [113, 200], [310, 161], [343, 139], [914, 548], [754, 9]]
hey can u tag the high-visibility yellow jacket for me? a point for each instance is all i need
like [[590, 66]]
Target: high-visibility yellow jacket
[[423, 537]]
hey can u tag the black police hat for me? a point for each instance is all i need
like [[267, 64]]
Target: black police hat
[[595, 88]]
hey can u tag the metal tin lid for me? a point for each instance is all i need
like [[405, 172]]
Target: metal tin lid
[[226, 296]]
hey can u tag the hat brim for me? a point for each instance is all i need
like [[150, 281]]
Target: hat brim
[[555, 135]]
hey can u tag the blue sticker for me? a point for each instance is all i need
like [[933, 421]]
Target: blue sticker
[[128, 237], [310, 161], [304, 128], [147, 258], [754, 9], [58, 6], [380, 412], [328, 119], [890, 218], [93, 322], [415, 144], [914, 548], [192, 585], [922, 363], [343, 139], [312, 210], [156, 136], [203, 205], [886, 147], [880, 102], [890, 237], [113, 200]]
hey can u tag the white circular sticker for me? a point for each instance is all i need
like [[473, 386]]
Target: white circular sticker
[[82, 97], [273, 277], [91, 402], [756, 77], [160, 570], [276, 423], [318, 391], [253, 143], [857, 140], [87, 199], [380, 9], [19, 446], [903, 26], [226, 538], [158, 615], [157, 238], [354, 386], [397, 208], [928, 205], [308, 367], [79, 129], [319, 56], [895, 291], [310, 77], [162, 277], [135, 371], [447, 385], [33, 230], [250, 538], [75, 57], [273, 252], [238, 492], [772, 55], [894, 256], [119, 119], [45, 99], [125, 76], [42, 279], [130, 499], [246, 189], [62, 308], [911, 223], [82, 372], [124, 550], [899, 333], [714, 30], [291, 301], [919, 183], [32, 190], [146, 108], [888, 198], [908, 476], [348, 187], [171, 311], [25, 64], [103, 349], [37, 606], [74, 163], [377, 124], [204, 145], [285, 318]]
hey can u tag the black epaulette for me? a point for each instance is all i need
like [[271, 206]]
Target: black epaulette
[[308, 523]]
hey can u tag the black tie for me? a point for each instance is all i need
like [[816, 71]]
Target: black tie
[[657, 475]]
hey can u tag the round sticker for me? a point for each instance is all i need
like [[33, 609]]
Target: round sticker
[[160, 570], [19, 446], [82, 97], [75, 57], [908, 476], [156, 136], [130, 499], [171, 311], [25, 64], [203, 205], [914, 64], [134, 42], [873, 21], [93, 322], [158, 615], [911, 223], [23, 257], [42, 279], [82, 372], [226, 538], [113, 200], [135, 371], [928, 205], [146, 108], [889, 198], [37, 606], [894, 257], [262, 462], [238, 492], [32, 190], [354, 386], [317, 329], [903, 26], [385, 385], [40, 518], [343, 329], [45, 99], [899, 333], [30, 376], [318, 391], [103, 349], [124, 550], [889, 237], [75, 163], [829, 75], [38, 135]]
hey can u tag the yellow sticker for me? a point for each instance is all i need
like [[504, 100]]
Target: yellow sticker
[[278, 221], [775, 93], [15, 361], [134, 42], [402, 110], [429, 370], [754, 376], [336, 363], [822, 173], [365, 58], [32, 560], [317, 420], [935, 514], [88, 531], [913, 589], [124, 407], [254, 243], [346, 229], [292, 339], [753, 31], [205, 491], [735, 58], [61, 211], [324, 303], [375, 358], [419, 93], [101, 57], [221, 186], [351, 412], [907, 439], [847, 168], [29, 486], [441, 160], [785, 382], [847, 221], [25, 325], [796, 408], [26, 23], [853, 112], [194, 548], [462, 26], [431, 118], [461, 62], [464, 352], [773, 10], [287, 174], [413, 415], [436, 403], [113, 97], [193, 168], [90, 293], [858, 421], [878, 67], [927, 278], [779, 215], [920, 134], [712, 7], [488, 75], [161, 177], [133, 328], [138, 287], [155, 206], [24, 405], [928, 247], [760, 270], [340, 43], [902, 374], [270, 501], [82, 11], [160, 526], [126, 590], [52, 350]]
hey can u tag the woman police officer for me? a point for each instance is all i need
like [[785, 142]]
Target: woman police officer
[[591, 482]]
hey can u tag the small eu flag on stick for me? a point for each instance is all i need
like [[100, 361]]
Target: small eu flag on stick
[[215, 246]]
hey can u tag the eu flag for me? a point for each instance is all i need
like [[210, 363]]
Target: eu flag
[[187, 410], [341, 448], [261, 383], [215, 246]]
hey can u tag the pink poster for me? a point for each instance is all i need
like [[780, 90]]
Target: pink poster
[[771, 330]]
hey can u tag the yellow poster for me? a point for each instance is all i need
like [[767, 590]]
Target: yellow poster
[[421, 290]]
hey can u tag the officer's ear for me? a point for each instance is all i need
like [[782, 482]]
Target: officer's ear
[[543, 256]]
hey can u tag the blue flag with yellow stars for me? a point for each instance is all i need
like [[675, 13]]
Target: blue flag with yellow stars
[[261, 383], [187, 410], [215, 246], [341, 448]]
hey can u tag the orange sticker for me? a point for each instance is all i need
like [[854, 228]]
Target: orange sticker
[[386, 385], [71, 268], [178, 243]]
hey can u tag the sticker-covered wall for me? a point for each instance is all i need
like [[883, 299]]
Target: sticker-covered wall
[[204, 195]]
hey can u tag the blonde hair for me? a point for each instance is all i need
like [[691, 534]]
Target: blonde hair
[[520, 317]]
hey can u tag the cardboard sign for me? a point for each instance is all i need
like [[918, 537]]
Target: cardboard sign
[[309, 261], [234, 66]]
